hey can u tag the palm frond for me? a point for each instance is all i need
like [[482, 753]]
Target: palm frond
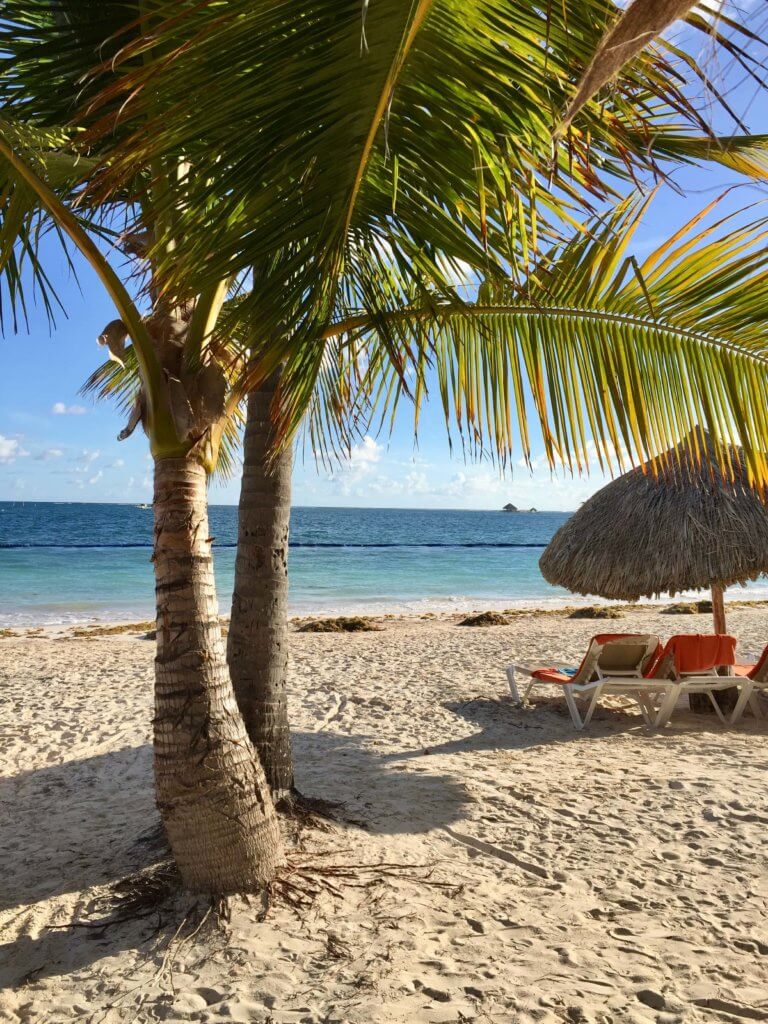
[[48, 51], [633, 29], [116, 382], [120, 383], [25, 222], [745, 154], [604, 348], [376, 153], [435, 116]]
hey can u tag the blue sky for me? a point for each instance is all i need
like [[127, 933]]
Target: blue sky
[[55, 445]]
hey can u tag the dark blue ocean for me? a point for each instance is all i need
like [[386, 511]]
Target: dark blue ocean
[[86, 562]]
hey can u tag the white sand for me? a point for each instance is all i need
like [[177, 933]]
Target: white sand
[[604, 877]]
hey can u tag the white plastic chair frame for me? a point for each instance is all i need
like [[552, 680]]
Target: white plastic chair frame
[[644, 692], [687, 684], [749, 689], [593, 682], [709, 682]]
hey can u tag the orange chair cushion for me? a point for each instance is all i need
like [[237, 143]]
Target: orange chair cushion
[[552, 675], [750, 671], [745, 671], [557, 675], [701, 652]]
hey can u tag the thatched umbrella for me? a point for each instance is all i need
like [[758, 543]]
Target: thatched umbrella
[[686, 526]]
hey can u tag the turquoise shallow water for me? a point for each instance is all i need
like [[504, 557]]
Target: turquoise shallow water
[[83, 562]]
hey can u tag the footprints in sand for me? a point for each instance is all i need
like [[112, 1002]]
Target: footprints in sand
[[606, 878]]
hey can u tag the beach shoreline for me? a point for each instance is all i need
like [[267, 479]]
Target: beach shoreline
[[680, 608], [542, 875], [75, 565]]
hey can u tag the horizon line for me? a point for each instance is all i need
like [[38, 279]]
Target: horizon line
[[355, 508]]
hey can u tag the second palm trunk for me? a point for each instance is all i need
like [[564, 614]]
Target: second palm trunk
[[258, 633]]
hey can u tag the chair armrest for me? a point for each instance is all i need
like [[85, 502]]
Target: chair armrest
[[526, 668]]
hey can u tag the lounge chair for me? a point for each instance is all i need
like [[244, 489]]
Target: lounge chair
[[753, 680], [689, 664], [614, 662]]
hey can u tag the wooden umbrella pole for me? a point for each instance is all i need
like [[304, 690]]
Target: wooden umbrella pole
[[718, 608], [725, 698]]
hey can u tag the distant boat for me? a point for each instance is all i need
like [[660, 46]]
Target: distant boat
[[144, 506]]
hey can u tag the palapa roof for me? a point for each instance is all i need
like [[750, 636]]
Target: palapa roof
[[686, 528]]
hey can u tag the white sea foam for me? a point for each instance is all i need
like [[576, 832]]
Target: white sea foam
[[61, 614], [477, 602]]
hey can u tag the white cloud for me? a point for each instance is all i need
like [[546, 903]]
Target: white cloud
[[615, 459], [95, 479], [476, 482], [49, 453], [117, 464], [416, 483], [10, 450], [374, 476], [60, 409], [366, 452], [85, 461], [363, 457]]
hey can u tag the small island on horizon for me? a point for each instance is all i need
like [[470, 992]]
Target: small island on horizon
[[509, 507]]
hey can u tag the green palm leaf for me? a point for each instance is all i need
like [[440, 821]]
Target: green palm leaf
[[23, 223], [370, 162], [435, 116], [745, 154], [630, 355]]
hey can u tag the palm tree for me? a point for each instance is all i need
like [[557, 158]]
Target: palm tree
[[584, 335], [412, 141], [211, 791], [257, 648], [392, 205], [594, 318]]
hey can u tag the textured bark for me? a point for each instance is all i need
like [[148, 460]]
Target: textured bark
[[258, 631], [211, 791]]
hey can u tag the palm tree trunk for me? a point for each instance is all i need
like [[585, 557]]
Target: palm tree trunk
[[211, 790], [258, 632]]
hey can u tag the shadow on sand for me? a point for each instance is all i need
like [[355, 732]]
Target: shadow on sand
[[503, 726], [500, 725], [70, 827]]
